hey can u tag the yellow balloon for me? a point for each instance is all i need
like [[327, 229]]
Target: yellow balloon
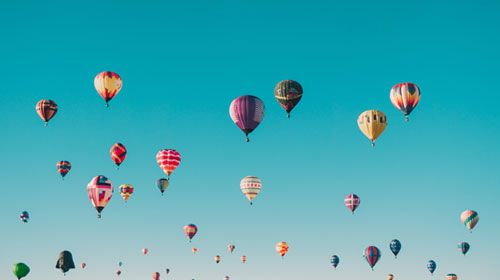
[[372, 123]]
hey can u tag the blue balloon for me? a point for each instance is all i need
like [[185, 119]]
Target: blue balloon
[[335, 261], [395, 247], [431, 266]]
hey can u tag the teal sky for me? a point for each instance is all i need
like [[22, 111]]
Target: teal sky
[[182, 62]]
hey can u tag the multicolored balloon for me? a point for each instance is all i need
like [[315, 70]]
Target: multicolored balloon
[[288, 94], [162, 185], [99, 191], [145, 251], [464, 247], [20, 270], [372, 123], [156, 276], [108, 84], [126, 190], [334, 260], [190, 231], [247, 112], [395, 247], [451, 276], [372, 255], [405, 97], [63, 167], [168, 160], [118, 152], [250, 186], [46, 109], [431, 266], [65, 262], [243, 259], [390, 277], [282, 248], [25, 216], [231, 248], [217, 259], [352, 202], [469, 218], [83, 265], [194, 250]]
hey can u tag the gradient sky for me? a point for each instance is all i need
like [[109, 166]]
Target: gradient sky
[[182, 62]]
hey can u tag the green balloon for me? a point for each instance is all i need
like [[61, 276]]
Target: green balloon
[[20, 270]]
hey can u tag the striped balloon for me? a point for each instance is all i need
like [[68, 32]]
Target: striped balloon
[[126, 191], [469, 218], [217, 259], [288, 93], [118, 152], [99, 191], [352, 202], [162, 185], [405, 97], [451, 276], [231, 248], [168, 160], [108, 84], [334, 260], [25, 216], [63, 167], [190, 231], [282, 248], [372, 255], [250, 186], [156, 276], [46, 109], [431, 266], [372, 123], [395, 247], [243, 259], [464, 247], [247, 112]]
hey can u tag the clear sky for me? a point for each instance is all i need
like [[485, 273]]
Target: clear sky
[[182, 62]]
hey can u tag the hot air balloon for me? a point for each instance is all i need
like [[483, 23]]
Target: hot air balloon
[[451, 276], [395, 247], [107, 84], [250, 186], [65, 262], [167, 270], [247, 112], [118, 152], [20, 270], [390, 277], [145, 251], [100, 191], [431, 266], [194, 250], [282, 248], [118, 272], [464, 247], [334, 260], [46, 109], [156, 276], [63, 167], [352, 202], [190, 231], [243, 259], [288, 93], [162, 185], [168, 160], [372, 255], [405, 97], [83, 265], [226, 277], [120, 264], [469, 218], [372, 123], [126, 191], [231, 248], [25, 216], [217, 259]]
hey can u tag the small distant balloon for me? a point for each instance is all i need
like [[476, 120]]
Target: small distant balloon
[[194, 250], [372, 123], [46, 110], [431, 266], [288, 94], [156, 276], [145, 251], [243, 259], [190, 231], [25, 216], [451, 276], [65, 261], [334, 260], [231, 248], [120, 263], [352, 202], [464, 247], [469, 218], [247, 112], [226, 277], [162, 185], [395, 247], [118, 272], [390, 277], [83, 265], [126, 190], [405, 97], [108, 84], [217, 259], [250, 186], [118, 153], [282, 248], [63, 167], [20, 270], [372, 255]]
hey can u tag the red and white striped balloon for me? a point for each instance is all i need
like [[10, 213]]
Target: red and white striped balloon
[[168, 160]]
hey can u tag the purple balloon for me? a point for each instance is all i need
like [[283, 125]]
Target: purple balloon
[[247, 112]]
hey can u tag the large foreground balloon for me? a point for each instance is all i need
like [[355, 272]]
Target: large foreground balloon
[[231, 248], [464, 247], [190, 231], [126, 190], [288, 93], [100, 191], [372, 123], [63, 167], [451, 276], [372, 255], [250, 186], [405, 97], [431, 266], [395, 247], [247, 112], [168, 160], [162, 185], [20, 270], [156, 276], [65, 261], [107, 84], [118, 152], [352, 202], [25, 216], [469, 218], [46, 109], [334, 260], [282, 248]]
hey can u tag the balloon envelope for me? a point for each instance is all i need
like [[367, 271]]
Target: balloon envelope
[[190, 231], [46, 109], [65, 261], [63, 167], [20, 270], [250, 186], [247, 112], [282, 248], [469, 218], [372, 255], [352, 202], [405, 97], [431, 266], [372, 123], [118, 152], [168, 160], [126, 190], [99, 191], [288, 94], [395, 247], [108, 84], [335, 261], [464, 247], [162, 185], [25, 216]]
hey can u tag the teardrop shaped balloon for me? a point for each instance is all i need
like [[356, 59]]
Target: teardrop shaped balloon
[[25, 216], [83, 265], [451, 276], [372, 123], [231, 248], [118, 272], [217, 259], [63, 167], [334, 260], [250, 186], [120, 263], [405, 97], [46, 109], [372, 255], [190, 231], [469, 218], [118, 152], [20, 270], [126, 190], [282, 248], [226, 277], [395, 247], [156, 276], [464, 247], [108, 84], [352, 202], [194, 250], [247, 112], [288, 94], [168, 160], [243, 259], [99, 191], [431, 266], [145, 251], [162, 185]]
